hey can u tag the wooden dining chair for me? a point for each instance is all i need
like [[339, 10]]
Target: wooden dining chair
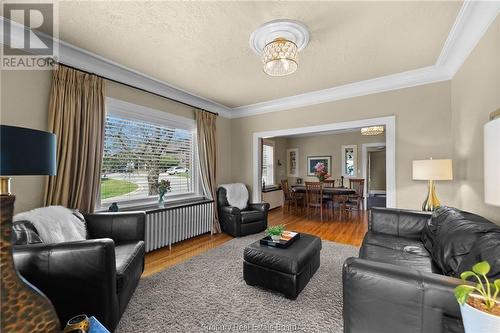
[[356, 201], [329, 199], [314, 198], [288, 196]]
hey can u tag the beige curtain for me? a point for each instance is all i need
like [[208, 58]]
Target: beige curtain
[[77, 117], [207, 152]]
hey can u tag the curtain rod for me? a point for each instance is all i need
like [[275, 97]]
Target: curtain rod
[[131, 86]]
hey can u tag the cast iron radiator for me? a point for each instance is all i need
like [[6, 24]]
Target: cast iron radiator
[[165, 226]]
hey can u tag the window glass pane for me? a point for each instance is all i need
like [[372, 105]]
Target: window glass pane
[[349, 161], [138, 154], [268, 164]]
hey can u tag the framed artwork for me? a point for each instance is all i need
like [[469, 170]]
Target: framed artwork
[[349, 161], [313, 160], [292, 162]]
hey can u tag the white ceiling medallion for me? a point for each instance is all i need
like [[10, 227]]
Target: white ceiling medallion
[[278, 43]]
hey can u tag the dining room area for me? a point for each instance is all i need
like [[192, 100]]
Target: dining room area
[[324, 179]]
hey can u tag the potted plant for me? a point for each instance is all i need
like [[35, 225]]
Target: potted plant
[[479, 304], [163, 188], [275, 232], [320, 172]]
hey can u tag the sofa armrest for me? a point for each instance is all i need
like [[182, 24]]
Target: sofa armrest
[[398, 222], [379, 297], [78, 277], [261, 207], [120, 227]]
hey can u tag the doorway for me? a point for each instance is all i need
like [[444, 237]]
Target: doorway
[[376, 193]]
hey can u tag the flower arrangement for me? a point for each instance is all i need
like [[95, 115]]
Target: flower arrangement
[[163, 188], [320, 172]]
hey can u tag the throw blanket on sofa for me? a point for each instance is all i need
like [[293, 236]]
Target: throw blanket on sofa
[[56, 224], [237, 195]]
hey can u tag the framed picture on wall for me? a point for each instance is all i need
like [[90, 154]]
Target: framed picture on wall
[[292, 162], [349, 161], [313, 160]]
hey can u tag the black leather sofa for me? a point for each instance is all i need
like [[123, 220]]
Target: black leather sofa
[[97, 276], [408, 267], [236, 222]]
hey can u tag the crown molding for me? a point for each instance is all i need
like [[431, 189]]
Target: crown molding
[[408, 79], [471, 23], [74, 56]]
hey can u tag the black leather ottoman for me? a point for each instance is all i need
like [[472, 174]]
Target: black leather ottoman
[[285, 270]]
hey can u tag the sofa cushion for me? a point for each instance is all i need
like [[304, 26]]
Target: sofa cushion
[[487, 248], [129, 259], [397, 251], [451, 234], [249, 216]]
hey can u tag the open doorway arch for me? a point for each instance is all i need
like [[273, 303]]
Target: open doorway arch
[[390, 138]]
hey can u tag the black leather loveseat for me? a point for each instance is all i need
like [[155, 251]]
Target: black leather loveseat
[[97, 276], [408, 266], [241, 222]]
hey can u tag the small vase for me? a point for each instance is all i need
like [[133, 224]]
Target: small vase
[[161, 202], [275, 238]]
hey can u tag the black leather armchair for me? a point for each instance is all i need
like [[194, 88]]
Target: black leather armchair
[[236, 222], [96, 276]]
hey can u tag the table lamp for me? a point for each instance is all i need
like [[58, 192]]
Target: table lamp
[[492, 160], [23, 151], [432, 170]]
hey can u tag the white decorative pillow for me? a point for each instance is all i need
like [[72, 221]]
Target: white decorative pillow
[[237, 195], [56, 224]]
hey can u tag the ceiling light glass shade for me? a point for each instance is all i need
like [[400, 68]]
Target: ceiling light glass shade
[[280, 57], [373, 130]]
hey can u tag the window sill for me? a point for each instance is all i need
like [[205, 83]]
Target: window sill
[[153, 204]]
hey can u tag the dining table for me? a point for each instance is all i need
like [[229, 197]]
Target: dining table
[[326, 190]]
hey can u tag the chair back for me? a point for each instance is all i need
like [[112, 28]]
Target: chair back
[[314, 193], [358, 185], [286, 189], [329, 183]]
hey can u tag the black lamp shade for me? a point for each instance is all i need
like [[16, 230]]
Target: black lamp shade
[[26, 151]]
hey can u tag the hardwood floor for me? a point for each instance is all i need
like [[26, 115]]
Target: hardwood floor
[[347, 231]]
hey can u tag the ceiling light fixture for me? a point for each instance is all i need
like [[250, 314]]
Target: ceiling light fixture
[[372, 130], [278, 43]]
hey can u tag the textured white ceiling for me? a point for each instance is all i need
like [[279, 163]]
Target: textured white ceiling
[[203, 47]]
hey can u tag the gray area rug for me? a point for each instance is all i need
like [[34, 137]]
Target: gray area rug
[[208, 294]]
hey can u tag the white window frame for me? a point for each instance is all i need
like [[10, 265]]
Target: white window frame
[[271, 144], [355, 160], [119, 108]]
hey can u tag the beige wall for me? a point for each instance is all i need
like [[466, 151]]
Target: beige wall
[[423, 130], [329, 145], [475, 92], [377, 180], [24, 102]]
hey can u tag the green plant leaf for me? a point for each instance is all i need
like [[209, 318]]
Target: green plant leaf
[[497, 283], [481, 267], [466, 275], [462, 293]]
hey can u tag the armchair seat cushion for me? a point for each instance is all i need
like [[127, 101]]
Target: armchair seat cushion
[[249, 216], [129, 260]]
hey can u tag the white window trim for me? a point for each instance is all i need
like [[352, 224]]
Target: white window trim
[[271, 144], [355, 162], [124, 109]]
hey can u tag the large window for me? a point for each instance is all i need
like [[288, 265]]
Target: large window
[[268, 163], [142, 148]]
